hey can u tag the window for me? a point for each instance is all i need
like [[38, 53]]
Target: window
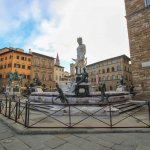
[[118, 68], [114, 61], [28, 76], [105, 63], [148, 2], [9, 65], [29, 67], [113, 77], [5, 66], [112, 69], [24, 76], [25, 58], [2, 59], [17, 57], [108, 70], [10, 57], [23, 66], [29, 59], [1, 66], [22, 58], [5, 58], [17, 65]]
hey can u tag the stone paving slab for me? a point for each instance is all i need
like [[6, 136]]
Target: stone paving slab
[[55, 142], [5, 134], [123, 147], [34, 144], [69, 146], [75, 140], [93, 146], [101, 142], [14, 144]]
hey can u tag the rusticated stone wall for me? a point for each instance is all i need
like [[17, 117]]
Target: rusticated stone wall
[[138, 22]]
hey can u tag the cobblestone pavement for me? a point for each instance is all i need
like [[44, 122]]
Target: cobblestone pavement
[[9, 140]]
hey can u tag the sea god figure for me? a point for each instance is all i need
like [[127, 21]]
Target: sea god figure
[[81, 60]]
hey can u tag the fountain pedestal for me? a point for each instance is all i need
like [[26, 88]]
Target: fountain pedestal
[[82, 89]]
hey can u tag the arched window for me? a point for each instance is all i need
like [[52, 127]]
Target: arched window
[[108, 70], [112, 69]]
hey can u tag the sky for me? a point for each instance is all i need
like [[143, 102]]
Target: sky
[[53, 26]]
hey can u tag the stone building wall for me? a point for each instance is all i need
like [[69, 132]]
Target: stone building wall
[[58, 73], [43, 68], [138, 22], [110, 71]]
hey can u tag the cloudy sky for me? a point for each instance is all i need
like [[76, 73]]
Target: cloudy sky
[[51, 26]]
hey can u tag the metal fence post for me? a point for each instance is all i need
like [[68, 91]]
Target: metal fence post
[[6, 106], [9, 113], [16, 115], [28, 113], [69, 116], [19, 109], [0, 106], [148, 104], [110, 114], [25, 122]]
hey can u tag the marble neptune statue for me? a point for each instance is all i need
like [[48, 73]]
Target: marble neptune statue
[[80, 61]]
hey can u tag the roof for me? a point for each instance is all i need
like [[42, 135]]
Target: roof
[[59, 66], [15, 51], [109, 59], [34, 53]]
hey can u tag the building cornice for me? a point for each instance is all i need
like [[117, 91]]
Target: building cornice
[[109, 59]]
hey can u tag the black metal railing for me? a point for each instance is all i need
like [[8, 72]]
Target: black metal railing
[[100, 115]]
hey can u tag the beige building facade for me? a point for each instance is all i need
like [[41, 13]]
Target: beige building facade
[[138, 23], [43, 68], [58, 73], [110, 71]]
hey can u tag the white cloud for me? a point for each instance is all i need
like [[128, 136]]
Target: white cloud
[[100, 23]]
